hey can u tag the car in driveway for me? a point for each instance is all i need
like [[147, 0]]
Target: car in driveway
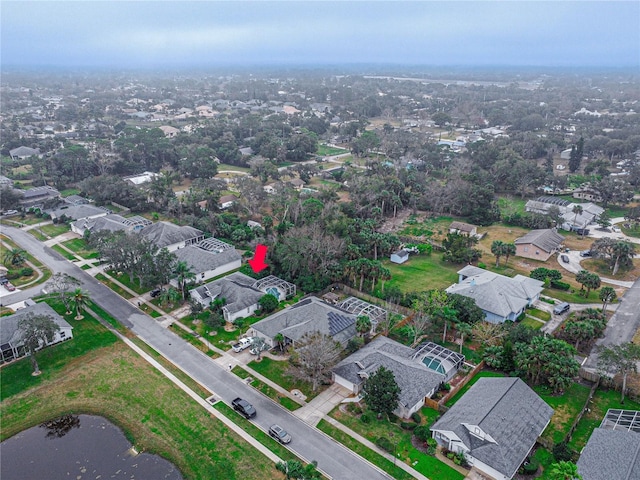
[[561, 308], [585, 253], [564, 258], [9, 287], [243, 407], [156, 292], [279, 433]]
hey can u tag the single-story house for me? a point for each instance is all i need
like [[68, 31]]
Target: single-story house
[[495, 424], [75, 212], [570, 220], [415, 379], [296, 183], [5, 182], [141, 178], [111, 222], [400, 256], [171, 236], [462, 228], [226, 201], [169, 131], [241, 293], [307, 316], [500, 298], [613, 450], [23, 152], [209, 258], [539, 244], [38, 195], [11, 345]]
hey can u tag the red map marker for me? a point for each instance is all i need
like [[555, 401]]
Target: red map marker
[[257, 262]]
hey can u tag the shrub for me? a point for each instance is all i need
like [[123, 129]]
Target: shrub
[[26, 271], [416, 417], [385, 444], [407, 425], [422, 433], [431, 446], [366, 417], [562, 452], [530, 467], [354, 408], [393, 418], [481, 265], [558, 285]]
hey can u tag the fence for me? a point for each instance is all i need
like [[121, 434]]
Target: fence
[[374, 300], [459, 386]]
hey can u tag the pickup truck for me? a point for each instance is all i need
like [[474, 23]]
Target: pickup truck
[[244, 408], [242, 344]]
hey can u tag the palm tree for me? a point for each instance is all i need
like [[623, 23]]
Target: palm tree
[[184, 273], [279, 339], [464, 329], [509, 249], [14, 257], [607, 295], [80, 299], [497, 248], [363, 325], [577, 210], [623, 252], [592, 282]]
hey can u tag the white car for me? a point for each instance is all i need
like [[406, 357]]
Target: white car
[[615, 229]]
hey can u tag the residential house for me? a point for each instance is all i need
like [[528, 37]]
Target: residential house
[[296, 183], [415, 379], [171, 236], [5, 182], [587, 193], [226, 201], [141, 178], [570, 220], [462, 228], [38, 195], [22, 153], [500, 298], [11, 345], [208, 258], [111, 222], [75, 212], [400, 256], [241, 293], [307, 317], [539, 244], [495, 424], [613, 450], [169, 131]]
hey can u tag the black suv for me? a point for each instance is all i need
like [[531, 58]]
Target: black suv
[[244, 408], [155, 292]]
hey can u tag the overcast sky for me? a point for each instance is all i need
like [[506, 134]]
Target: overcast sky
[[205, 33]]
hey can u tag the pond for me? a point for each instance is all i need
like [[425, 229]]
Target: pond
[[79, 447]]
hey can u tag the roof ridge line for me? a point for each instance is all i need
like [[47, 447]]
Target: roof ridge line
[[499, 400]]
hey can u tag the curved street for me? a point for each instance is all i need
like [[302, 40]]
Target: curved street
[[309, 443]]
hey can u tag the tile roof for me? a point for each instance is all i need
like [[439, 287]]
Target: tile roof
[[496, 293], [545, 239], [611, 454], [413, 377], [509, 415], [308, 316]]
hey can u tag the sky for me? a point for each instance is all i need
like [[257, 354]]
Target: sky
[[268, 33]]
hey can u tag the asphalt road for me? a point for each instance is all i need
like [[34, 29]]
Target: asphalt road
[[309, 443]]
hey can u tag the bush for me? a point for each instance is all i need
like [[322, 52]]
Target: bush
[[431, 446], [393, 418], [385, 444], [416, 417], [422, 433], [26, 271], [354, 408], [481, 265], [562, 452], [366, 417], [530, 467], [558, 285], [407, 425]]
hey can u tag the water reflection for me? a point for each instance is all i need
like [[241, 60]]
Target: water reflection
[[80, 447]]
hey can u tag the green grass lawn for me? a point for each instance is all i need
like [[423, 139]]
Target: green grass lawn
[[541, 314], [234, 168], [275, 371], [69, 191], [53, 230], [34, 232], [422, 272], [600, 403], [69, 256], [116, 288], [80, 247], [575, 297], [365, 452], [193, 340], [88, 335], [531, 323], [265, 389], [423, 463], [326, 151], [566, 408], [126, 281]]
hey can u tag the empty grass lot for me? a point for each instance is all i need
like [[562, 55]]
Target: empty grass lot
[[422, 272]]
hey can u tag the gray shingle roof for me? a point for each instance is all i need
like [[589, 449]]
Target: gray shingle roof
[[24, 151], [9, 332], [506, 410], [163, 234], [112, 223], [79, 211], [202, 260], [496, 293], [413, 377], [308, 316], [611, 454], [545, 239], [236, 289]]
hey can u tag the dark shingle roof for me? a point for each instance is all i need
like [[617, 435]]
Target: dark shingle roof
[[236, 289], [509, 416], [611, 454], [163, 234]]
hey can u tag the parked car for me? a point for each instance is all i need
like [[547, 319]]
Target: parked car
[[4, 280], [9, 287], [244, 408], [564, 258], [279, 433], [616, 229], [582, 231], [242, 344], [585, 253], [561, 308], [156, 292]]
